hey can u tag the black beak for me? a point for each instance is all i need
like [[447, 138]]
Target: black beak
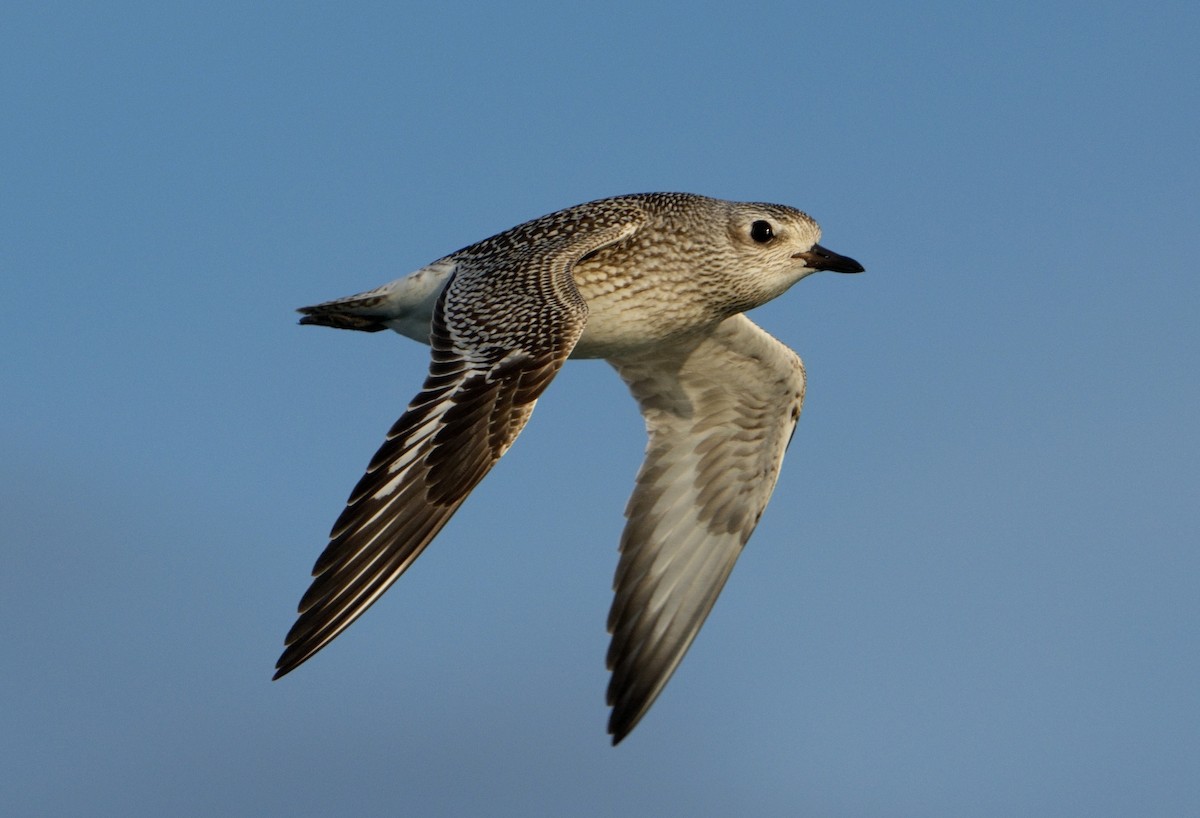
[[821, 259]]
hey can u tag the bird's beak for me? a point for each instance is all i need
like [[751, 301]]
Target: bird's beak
[[819, 258]]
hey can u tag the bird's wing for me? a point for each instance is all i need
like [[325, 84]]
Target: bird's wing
[[502, 328], [720, 414]]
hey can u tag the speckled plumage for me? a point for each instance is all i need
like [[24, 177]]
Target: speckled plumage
[[653, 283]]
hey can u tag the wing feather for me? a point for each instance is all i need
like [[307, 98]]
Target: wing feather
[[720, 413], [502, 327]]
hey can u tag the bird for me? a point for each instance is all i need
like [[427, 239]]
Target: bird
[[655, 284]]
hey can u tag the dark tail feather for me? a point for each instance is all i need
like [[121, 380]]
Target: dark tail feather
[[342, 320]]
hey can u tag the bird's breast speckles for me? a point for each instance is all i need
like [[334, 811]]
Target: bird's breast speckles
[[643, 292]]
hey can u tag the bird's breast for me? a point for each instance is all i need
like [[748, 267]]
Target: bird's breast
[[631, 308]]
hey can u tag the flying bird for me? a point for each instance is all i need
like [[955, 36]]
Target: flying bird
[[656, 285]]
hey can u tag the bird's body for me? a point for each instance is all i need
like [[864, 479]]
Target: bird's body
[[653, 283]]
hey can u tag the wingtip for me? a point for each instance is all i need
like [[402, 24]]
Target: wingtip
[[286, 664], [288, 661], [620, 725]]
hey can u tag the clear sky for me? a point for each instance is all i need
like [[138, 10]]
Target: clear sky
[[976, 591]]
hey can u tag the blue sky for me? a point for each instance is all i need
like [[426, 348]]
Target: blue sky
[[975, 591]]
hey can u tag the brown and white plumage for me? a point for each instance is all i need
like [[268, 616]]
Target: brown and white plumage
[[720, 414], [655, 284]]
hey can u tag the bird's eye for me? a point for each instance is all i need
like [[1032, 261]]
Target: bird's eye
[[761, 232]]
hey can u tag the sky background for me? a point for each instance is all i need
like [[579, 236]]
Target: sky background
[[976, 591]]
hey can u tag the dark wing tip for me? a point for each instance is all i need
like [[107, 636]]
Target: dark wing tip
[[619, 729], [629, 705], [292, 657]]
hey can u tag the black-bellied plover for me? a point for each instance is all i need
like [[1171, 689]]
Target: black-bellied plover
[[653, 283]]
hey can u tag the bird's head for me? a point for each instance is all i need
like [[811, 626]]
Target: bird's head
[[776, 246]]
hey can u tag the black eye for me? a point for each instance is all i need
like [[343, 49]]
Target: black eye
[[761, 232]]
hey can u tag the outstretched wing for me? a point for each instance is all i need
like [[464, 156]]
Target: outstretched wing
[[502, 328], [720, 414]]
